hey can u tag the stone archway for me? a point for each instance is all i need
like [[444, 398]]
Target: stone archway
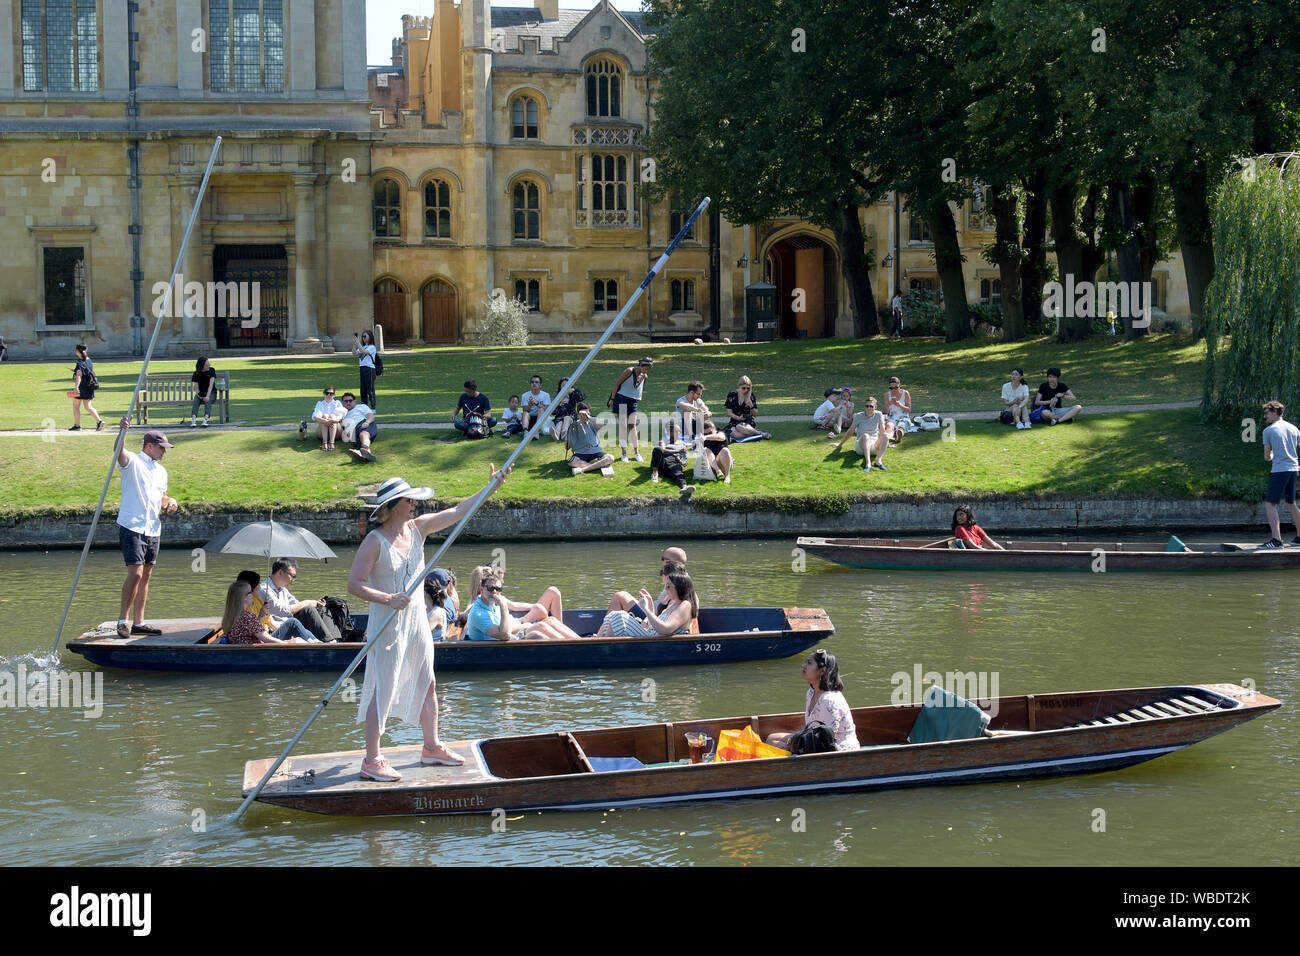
[[809, 263]]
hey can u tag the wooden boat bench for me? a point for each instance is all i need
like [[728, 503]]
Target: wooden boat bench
[[176, 390], [1176, 706]]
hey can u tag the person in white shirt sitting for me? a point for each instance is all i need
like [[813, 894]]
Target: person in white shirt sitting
[[1015, 399], [359, 427], [836, 412], [534, 402], [693, 412], [328, 416]]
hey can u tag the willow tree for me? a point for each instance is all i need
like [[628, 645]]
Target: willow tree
[[1252, 306]]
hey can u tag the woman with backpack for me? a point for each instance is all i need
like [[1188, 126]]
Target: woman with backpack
[[83, 391]]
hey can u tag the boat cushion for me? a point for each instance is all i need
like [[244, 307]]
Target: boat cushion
[[945, 716], [606, 764], [1175, 544]]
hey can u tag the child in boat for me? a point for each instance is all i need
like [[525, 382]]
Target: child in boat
[[242, 626], [681, 609], [825, 703], [968, 533]]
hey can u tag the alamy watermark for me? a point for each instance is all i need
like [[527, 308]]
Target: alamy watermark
[[53, 687], [1091, 300], [241, 300], [971, 685]]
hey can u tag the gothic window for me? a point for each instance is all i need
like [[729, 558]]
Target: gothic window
[[246, 46], [523, 118], [604, 89], [65, 285], [677, 215], [437, 209], [388, 209], [60, 46], [917, 230], [529, 292], [683, 292], [527, 210], [609, 182], [606, 295]]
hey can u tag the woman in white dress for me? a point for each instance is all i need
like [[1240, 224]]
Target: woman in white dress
[[825, 703], [399, 674]]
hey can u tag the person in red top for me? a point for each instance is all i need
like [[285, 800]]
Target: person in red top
[[241, 625], [968, 533]]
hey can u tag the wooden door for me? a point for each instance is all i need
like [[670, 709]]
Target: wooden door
[[439, 311], [391, 312]]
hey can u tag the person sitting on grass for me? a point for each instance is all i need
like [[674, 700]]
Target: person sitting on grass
[[328, 416], [870, 438], [713, 446], [584, 443], [681, 609], [967, 533], [669, 458], [490, 618], [548, 608], [1015, 399], [566, 403], [534, 402], [742, 413], [836, 412], [898, 409], [359, 427], [513, 418], [473, 408], [693, 412], [242, 626], [1048, 403]]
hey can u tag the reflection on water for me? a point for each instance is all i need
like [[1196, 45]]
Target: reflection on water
[[125, 788]]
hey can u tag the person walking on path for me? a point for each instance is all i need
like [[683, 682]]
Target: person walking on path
[[144, 498], [399, 678], [364, 349], [84, 384], [205, 387], [1280, 440]]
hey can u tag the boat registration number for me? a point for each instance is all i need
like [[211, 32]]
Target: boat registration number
[[707, 648]]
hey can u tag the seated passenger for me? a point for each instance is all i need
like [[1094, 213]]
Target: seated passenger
[[490, 618], [825, 703], [673, 560], [968, 533], [549, 608], [584, 443], [681, 609], [242, 626], [669, 457], [442, 601]]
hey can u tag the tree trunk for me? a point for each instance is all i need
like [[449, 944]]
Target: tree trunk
[[948, 259], [1146, 200], [1069, 260], [853, 264], [1195, 236], [1033, 272], [1007, 256], [1129, 256]]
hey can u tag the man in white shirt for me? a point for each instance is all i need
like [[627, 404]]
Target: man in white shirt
[[283, 611], [328, 416], [144, 498], [534, 402], [694, 413], [359, 427], [868, 430]]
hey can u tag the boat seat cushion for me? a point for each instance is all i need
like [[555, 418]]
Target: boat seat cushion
[[606, 764], [945, 716]]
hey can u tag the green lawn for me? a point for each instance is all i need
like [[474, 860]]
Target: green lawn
[[789, 377], [1147, 454]]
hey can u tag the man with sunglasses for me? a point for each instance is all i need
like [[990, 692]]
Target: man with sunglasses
[[328, 416], [284, 615], [359, 427], [870, 437]]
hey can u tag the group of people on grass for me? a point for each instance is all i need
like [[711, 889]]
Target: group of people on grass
[[873, 429], [1050, 404]]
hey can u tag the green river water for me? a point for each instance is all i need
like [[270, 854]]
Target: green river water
[[153, 779]]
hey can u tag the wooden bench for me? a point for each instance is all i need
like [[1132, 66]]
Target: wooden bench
[[176, 390]]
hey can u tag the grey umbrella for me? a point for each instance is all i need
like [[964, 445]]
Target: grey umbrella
[[270, 538]]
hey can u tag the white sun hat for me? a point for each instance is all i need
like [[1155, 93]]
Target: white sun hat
[[394, 488]]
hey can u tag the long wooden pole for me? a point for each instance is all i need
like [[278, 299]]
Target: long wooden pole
[[418, 579], [139, 384]]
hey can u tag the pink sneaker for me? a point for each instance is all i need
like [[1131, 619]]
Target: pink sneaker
[[379, 770], [443, 757]]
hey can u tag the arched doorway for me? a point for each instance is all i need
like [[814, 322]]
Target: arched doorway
[[391, 311], [438, 312], [804, 262]]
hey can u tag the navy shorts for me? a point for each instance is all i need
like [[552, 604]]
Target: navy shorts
[[1281, 487], [589, 456], [623, 402], [137, 548], [372, 429]]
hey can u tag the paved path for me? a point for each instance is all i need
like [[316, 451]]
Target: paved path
[[445, 426]]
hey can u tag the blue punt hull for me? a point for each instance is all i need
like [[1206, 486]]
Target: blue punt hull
[[751, 634]]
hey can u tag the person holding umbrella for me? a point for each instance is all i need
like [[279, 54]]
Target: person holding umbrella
[[399, 675]]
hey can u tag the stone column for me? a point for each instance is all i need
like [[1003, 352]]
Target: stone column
[[304, 336], [9, 80], [189, 62], [197, 330]]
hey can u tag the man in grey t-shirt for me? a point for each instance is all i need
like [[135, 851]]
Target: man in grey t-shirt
[[1280, 440], [584, 442]]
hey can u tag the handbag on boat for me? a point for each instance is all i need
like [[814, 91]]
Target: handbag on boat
[[745, 745], [337, 612], [815, 738]]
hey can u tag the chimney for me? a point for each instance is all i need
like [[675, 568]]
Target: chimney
[[549, 9]]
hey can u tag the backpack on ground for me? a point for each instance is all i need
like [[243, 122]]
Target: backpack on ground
[[929, 422], [476, 426]]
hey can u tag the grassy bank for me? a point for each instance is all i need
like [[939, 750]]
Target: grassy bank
[[1150, 454], [789, 377]]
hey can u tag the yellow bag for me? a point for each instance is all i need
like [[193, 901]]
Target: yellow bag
[[745, 745]]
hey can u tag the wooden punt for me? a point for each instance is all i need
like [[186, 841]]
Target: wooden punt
[[902, 554], [726, 635], [1045, 735]]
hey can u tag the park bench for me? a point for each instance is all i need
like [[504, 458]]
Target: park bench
[[176, 390]]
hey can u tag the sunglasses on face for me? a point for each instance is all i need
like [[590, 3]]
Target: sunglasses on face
[[491, 587]]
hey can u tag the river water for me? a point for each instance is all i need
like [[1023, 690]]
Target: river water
[[154, 777]]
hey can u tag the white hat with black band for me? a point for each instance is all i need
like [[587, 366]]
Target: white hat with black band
[[395, 488]]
